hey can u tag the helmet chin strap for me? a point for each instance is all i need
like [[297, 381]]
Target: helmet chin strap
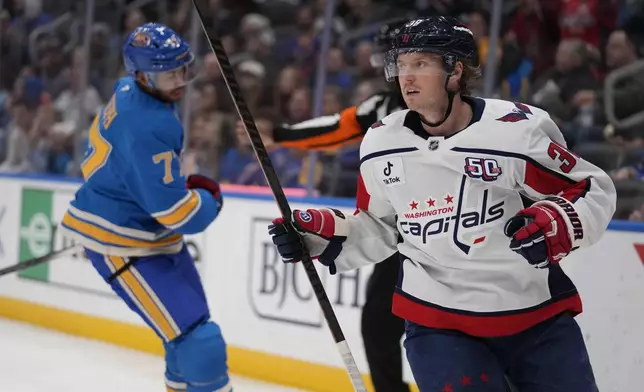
[[450, 101]]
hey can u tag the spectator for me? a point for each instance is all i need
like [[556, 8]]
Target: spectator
[[554, 91], [99, 53], [629, 92], [230, 45], [364, 90], [288, 48], [29, 16], [207, 142], [239, 165], [620, 50], [251, 76], [515, 72], [211, 72], [299, 105], [133, 18], [17, 150], [75, 106], [332, 100], [288, 81], [339, 26], [337, 73], [275, 62], [629, 97], [534, 29], [587, 20], [5, 122], [258, 39], [364, 69], [54, 152], [364, 12], [477, 21], [53, 72], [11, 50]]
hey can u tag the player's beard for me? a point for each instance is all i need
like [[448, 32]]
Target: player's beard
[[174, 95]]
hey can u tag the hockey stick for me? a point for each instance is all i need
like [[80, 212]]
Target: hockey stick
[[38, 260], [274, 183]]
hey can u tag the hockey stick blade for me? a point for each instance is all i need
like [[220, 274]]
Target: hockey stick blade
[[278, 193], [38, 260]]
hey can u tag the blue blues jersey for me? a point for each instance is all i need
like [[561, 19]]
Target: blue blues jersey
[[134, 201]]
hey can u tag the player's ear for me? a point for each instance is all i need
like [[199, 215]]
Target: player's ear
[[141, 78], [458, 70], [455, 76]]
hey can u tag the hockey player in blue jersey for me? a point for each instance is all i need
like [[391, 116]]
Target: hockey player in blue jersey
[[136, 204]]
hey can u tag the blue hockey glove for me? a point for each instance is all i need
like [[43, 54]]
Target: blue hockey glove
[[197, 181], [540, 235], [328, 224]]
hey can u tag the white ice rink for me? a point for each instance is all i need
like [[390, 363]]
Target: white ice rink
[[35, 360]]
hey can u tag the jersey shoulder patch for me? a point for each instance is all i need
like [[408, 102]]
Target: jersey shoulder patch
[[519, 113], [377, 124]]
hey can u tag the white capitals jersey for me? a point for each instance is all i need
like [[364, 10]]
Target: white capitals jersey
[[449, 198]]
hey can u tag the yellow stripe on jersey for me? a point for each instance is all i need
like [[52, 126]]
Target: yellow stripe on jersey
[[178, 213], [106, 237], [151, 306], [101, 149]]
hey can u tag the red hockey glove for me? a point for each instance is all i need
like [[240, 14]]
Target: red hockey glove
[[329, 224], [197, 181], [540, 235]]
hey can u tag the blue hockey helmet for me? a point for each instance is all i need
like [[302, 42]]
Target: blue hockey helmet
[[441, 35], [154, 48]]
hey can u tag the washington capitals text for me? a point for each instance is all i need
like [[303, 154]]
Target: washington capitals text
[[463, 220]]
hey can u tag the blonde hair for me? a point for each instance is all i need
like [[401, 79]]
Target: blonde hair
[[469, 75]]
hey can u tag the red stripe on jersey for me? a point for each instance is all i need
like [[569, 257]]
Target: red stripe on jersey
[[547, 182], [578, 190], [362, 197], [544, 181], [481, 326]]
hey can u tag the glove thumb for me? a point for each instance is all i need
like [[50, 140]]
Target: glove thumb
[[515, 224]]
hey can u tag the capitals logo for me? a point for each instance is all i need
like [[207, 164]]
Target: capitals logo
[[463, 220], [520, 113]]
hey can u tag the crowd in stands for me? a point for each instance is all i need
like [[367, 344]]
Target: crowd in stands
[[555, 54]]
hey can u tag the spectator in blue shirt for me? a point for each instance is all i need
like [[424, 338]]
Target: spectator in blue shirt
[[239, 165]]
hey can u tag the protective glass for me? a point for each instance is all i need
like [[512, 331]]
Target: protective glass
[[176, 78], [401, 62], [377, 60]]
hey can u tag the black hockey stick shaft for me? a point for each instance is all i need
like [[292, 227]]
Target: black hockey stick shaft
[[37, 261], [280, 198]]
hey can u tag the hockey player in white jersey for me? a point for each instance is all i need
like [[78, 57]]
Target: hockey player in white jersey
[[488, 201]]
